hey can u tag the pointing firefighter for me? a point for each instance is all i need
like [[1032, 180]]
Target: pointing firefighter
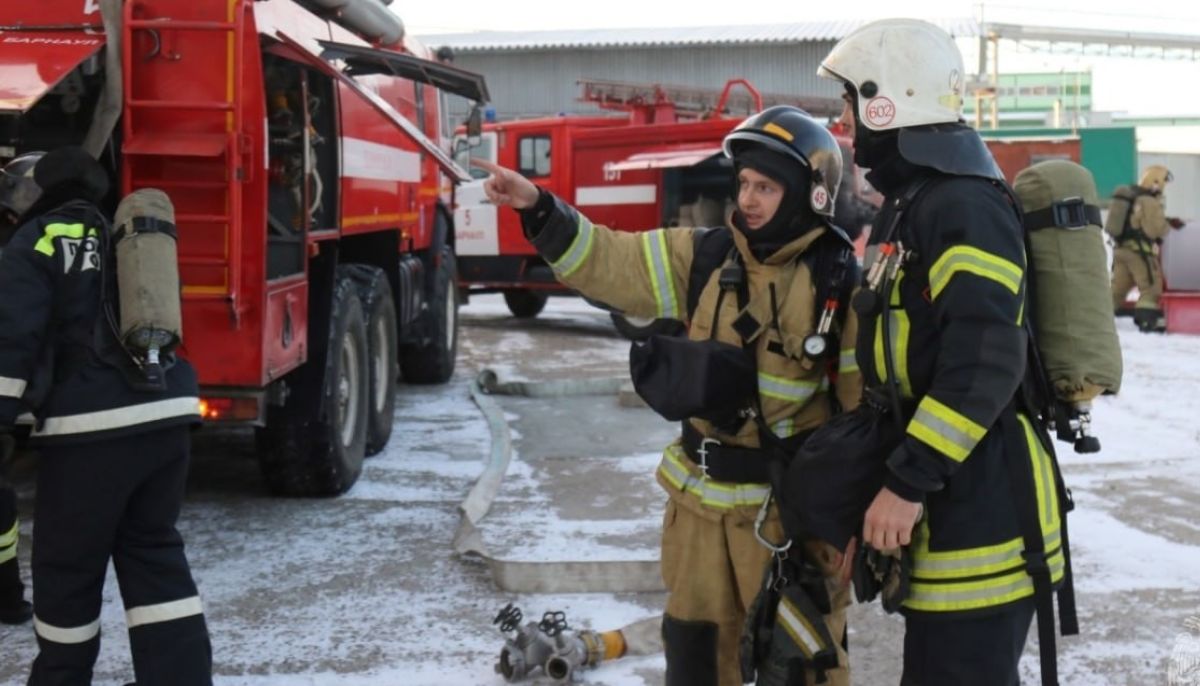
[[767, 359], [1137, 223], [113, 434], [943, 353]]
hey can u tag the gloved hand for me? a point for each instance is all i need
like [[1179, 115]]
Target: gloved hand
[[1176, 222]]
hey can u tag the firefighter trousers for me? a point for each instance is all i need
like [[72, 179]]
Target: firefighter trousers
[[980, 650], [1130, 268], [116, 499], [713, 569], [12, 591]]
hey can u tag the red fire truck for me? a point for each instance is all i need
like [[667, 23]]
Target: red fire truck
[[657, 164], [297, 142]]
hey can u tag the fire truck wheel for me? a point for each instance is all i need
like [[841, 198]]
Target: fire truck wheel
[[636, 329], [306, 455], [382, 366], [525, 304], [432, 361]]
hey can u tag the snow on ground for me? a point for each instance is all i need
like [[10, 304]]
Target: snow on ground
[[363, 590]]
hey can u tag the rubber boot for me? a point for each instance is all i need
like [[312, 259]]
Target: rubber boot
[[14, 609], [1149, 320]]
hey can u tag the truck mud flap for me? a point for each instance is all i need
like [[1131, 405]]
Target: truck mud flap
[[516, 576]]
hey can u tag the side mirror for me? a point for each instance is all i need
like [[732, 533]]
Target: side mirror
[[475, 126]]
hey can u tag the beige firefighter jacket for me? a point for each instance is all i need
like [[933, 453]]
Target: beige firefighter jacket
[[646, 275]]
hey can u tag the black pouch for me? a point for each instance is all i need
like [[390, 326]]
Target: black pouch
[[835, 475], [680, 378]]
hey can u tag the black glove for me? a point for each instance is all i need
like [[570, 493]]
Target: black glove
[[1175, 222]]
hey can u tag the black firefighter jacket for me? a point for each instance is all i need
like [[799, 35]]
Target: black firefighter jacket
[[50, 275], [959, 347]]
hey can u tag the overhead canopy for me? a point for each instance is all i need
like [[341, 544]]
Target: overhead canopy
[[667, 157], [409, 129], [34, 62], [363, 60]]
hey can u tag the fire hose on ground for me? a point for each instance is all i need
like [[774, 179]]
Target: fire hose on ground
[[551, 644]]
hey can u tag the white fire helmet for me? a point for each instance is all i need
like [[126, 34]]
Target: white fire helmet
[[906, 72]]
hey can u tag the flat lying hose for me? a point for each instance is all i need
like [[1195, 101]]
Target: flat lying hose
[[538, 577]]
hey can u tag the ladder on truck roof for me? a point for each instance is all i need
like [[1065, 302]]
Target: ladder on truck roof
[[191, 147], [659, 103]]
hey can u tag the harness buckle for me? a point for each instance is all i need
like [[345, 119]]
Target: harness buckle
[[1036, 563], [702, 453]]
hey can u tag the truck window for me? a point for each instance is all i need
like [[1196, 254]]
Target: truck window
[[486, 150], [534, 156]]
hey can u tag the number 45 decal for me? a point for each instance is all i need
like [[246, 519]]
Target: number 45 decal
[[91, 6]]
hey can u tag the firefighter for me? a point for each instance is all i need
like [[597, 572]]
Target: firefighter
[[16, 187], [112, 460], [14, 609], [761, 300], [944, 347], [1136, 249]]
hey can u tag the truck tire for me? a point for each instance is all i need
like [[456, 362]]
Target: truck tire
[[433, 360], [379, 310], [525, 304], [305, 455], [636, 329]]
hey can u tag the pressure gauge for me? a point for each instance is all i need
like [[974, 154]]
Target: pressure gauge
[[815, 346]]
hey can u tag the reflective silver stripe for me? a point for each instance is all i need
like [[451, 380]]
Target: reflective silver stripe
[[787, 389], [68, 636], [573, 258], [945, 431], [12, 388], [654, 245], [713, 493], [797, 628], [784, 428], [847, 362], [163, 612], [120, 417], [997, 561], [976, 593]]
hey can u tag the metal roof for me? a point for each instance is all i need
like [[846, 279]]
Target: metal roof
[[493, 41]]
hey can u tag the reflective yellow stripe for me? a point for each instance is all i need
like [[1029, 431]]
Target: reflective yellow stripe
[[965, 258], [1043, 477], [789, 390], [676, 470], [577, 254], [798, 627], [847, 362], [658, 264], [973, 562], [772, 127], [11, 388], [899, 333], [784, 428], [973, 595], [45, 244], [8, 544], [945, 430]]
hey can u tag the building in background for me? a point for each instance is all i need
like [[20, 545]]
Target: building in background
[[536, 73]]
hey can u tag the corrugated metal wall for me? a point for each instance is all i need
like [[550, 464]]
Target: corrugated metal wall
[[543, 82]]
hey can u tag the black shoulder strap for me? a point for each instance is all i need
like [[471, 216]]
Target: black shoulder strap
[[710, 247]]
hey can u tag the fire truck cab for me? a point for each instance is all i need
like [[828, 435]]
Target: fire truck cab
[[300, 144], [659, 163]]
